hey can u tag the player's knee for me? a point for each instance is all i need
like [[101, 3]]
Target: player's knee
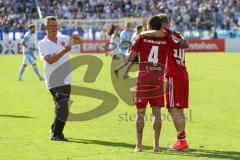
[[156, 109], [178, 117], [140, 119], [63, 116], [157, 118], [62, 113], [140, 123], [176, 111]]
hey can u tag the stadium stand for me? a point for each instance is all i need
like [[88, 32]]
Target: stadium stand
[[197, 18]]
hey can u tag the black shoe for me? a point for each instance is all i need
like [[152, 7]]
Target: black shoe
[[58, 138]]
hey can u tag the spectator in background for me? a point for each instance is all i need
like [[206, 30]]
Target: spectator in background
[[189, 14], [114, 41], [214, 33], [15, 14]]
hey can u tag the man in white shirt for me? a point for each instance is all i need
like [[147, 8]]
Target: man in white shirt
[[54, 51]]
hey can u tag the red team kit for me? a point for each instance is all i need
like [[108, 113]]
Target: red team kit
[[159, 58]]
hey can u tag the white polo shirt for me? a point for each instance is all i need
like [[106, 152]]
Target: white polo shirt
[[58, 73]]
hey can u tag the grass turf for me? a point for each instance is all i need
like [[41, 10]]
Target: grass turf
[[27, 110]]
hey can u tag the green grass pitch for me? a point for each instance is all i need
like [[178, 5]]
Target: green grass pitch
[[26, 113]]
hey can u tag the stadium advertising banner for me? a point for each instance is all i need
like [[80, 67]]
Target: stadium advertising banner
[[10, 47], [210, 45], [100, 46], [94, 46]]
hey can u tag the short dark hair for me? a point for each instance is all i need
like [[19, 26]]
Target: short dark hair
[[111, 29], [49, 18], [139, 27], [31, 26], [154, 23], [164, 18]]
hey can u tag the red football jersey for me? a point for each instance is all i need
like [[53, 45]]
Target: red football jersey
[[176, 56], [151, 50], [152, 65]]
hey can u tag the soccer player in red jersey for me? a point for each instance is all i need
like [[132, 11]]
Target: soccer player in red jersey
[[177, 77], [149, 88]]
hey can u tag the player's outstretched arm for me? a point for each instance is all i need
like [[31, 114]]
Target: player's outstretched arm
[[153, 33], [131, 56]]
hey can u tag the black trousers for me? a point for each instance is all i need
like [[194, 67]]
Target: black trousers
[[61, 97]]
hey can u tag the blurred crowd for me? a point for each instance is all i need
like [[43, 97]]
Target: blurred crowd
[[185, 14], [15, 14]]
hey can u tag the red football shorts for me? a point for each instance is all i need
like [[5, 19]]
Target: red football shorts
[[149, 94], [177, 92]]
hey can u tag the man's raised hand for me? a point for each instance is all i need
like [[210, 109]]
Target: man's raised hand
[[76, 39]]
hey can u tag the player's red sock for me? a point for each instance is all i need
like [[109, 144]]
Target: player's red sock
[[181, 135]]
